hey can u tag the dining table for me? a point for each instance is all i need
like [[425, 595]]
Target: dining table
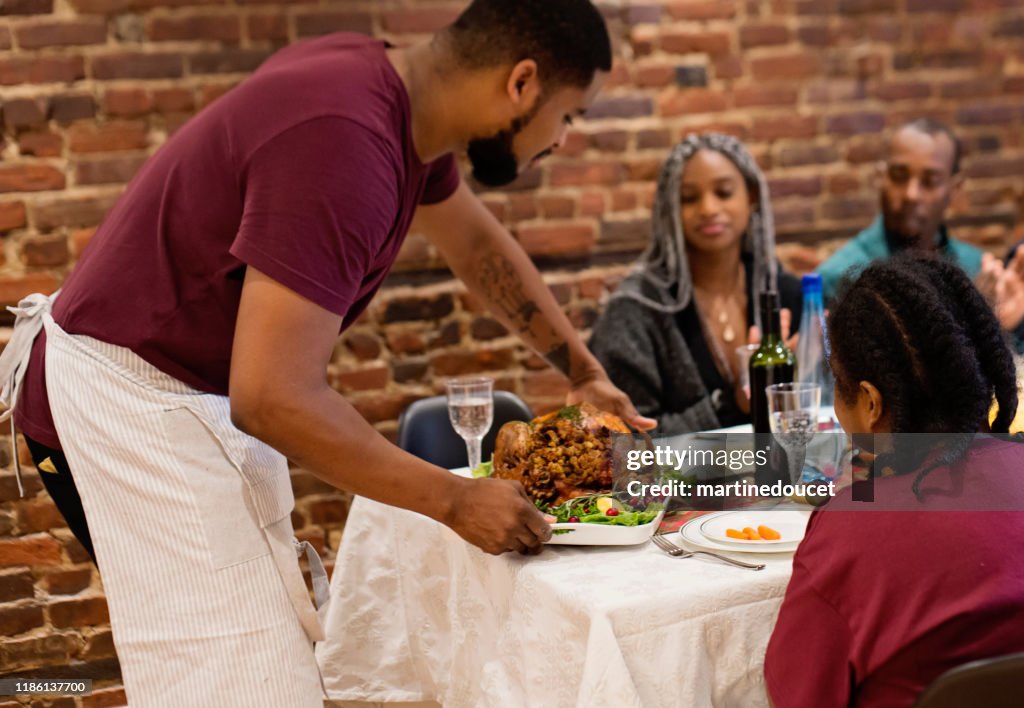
[[418, 614]]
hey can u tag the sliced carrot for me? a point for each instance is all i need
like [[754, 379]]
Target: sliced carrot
[[768, 533], [733, 533], [751, 534]]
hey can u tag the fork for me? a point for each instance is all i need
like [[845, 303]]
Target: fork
[[677, 552]]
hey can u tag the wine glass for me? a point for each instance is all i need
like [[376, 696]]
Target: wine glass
[[471, 410], [793, 414]]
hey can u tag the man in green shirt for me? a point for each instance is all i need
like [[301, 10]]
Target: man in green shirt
[[918, 181]]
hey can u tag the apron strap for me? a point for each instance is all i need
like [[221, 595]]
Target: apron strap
[[321, 585], [28, 322]]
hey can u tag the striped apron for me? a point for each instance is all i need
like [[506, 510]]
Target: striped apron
[[191, 523]]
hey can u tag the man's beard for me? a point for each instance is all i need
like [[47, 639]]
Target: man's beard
[[494, 159]]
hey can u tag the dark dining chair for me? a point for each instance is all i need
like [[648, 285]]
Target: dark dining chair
[[988, 683], [425, 430]]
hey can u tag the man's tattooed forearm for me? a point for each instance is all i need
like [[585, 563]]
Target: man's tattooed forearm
[[559, 358], [501, 284]]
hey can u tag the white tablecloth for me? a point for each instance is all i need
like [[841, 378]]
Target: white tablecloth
[[418, 614]]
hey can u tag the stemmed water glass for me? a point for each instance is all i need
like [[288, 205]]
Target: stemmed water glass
[[793, 414], [471, 410]]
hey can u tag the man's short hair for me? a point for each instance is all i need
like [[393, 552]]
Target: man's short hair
[[933, 127], [567, 38]]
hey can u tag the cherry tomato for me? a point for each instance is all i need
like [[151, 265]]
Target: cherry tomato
[[612, 511], [574, 519]]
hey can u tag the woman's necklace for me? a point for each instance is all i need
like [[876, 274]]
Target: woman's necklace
[[719, 312]]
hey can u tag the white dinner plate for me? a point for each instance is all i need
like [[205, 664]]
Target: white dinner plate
[[691, 532], [790, 525], [602, 534]]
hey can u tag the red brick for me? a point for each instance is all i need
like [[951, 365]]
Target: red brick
[[859, 7], [26, 7], [112, 170], [361, 380], [621, 107], [136, 65], [418, 307], [12, 215], [691, 101], [556, 240], [780, 187], [309, 24], [592, 204], [25, 112], [849, 209], [610, 140], [173, 100], [218, 28], [1013, 84], [834, 91], [581, 174], [994, 166], [363, 345], [37, 549], [19, 619], [654, 76], [816, 35], [785, 66], [12, 290], [655, 138], [643, 170], [866, 149], [71, 211], [463, 362], [843, 184], [68, 582], [127, 102], [40, 144], [79, 612], [989, 114], [903, 90], [30, 178], [804, 154], [233, 60], [712, 43], [556, 207], [17, 585], [521, 207], [935, 5], [406, 342], [760, 95], [763, 35], [68, 108], [61, 33], [41, 70], [624, 234], [861, 123], [703, 9], [485, 329], [211, 92], [37, 251], [419, 21], [105, 698], [784, 127], [269, 26], [728, 67], [108, 137]]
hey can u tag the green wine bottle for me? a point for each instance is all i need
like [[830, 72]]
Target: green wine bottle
[[772, 363]]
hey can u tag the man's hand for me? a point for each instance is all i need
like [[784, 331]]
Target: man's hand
[[601, 392], [497, 516], [1009, 293], [987, 280]]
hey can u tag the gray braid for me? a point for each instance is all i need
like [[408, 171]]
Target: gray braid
[[664, 264]]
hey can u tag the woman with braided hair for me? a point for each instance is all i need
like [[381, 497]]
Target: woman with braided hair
[[669, 334], [924, 574]]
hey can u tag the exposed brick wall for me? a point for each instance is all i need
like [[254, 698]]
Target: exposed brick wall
[[90, 88]]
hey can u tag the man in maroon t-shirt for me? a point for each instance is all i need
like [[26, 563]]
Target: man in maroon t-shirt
[[249, 241]]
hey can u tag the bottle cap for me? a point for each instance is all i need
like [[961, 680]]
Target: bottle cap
[[811, 283]]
